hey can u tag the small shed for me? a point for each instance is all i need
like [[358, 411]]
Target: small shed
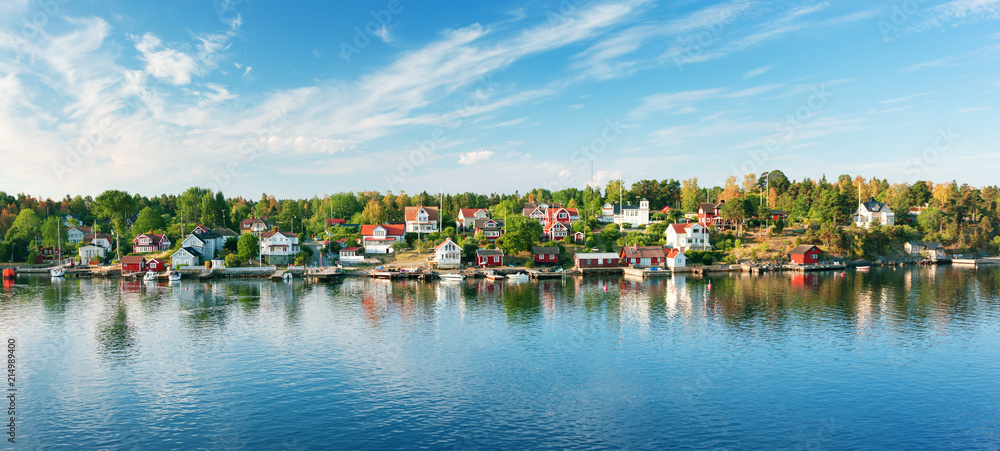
[[914, 248], [676, 258], [156, 265], [805, 254], [596, 260], [546, 255], [134, 263], [489, 257]]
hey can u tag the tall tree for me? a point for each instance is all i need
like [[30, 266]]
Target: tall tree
[[689, 194]]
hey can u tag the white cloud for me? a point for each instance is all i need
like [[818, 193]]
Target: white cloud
[[474, 157], [957, 12], [165, 63], [755, 72]]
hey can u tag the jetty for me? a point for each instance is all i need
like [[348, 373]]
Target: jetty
[[546, 273], [976, 261], [646, 273], [815, 267]]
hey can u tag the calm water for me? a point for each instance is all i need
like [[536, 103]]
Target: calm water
[[889, 359]]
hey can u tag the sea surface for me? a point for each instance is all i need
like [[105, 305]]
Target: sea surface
[[900, 359]]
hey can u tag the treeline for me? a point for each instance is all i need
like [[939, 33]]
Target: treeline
[[958, 214]]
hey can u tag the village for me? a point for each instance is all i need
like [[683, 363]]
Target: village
[[739, 231]]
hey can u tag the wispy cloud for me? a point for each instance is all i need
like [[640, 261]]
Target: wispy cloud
[[755, 72], [957, 12]]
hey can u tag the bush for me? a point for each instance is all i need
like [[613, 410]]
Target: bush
[[233, 261]]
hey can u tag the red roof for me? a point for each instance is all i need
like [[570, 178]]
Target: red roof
[[671, 253], [350, 249], [335, 221], [390, 229], [411, 213], [470, 212], [552, 223], [446, 241], [643, 252], [682, 228], [132, 259], [666, 209], [157, 260]]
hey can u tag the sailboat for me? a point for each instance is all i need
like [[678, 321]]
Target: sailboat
[[58, 271]]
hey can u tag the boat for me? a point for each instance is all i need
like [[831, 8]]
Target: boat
[[174, 275], [287, 277], [150, 276], [452, 276], [519, 277], [863, 268], [58, 271], [493, 276]]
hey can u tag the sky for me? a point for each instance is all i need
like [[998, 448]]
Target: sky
[[253, 96]]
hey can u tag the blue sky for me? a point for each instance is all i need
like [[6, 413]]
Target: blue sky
[[254, 96]]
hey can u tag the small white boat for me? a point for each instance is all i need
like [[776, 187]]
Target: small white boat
[[150, 276], [58, 271], [493, 276], [174, 275], [519, 277], [452, 276], [287, 277], [863, 268]]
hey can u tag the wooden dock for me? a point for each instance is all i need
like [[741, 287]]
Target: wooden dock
[[816, 267], [646, 272], [544, 274], [976, 261]]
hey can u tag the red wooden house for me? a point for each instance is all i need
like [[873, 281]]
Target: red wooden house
[[556, 230], [156, 265], [491, 228], [150, 242], [134, 263], [805, 254], [546, 255], [708, 213], [489, 257], [642, 256], [579, 237], [596, 260]]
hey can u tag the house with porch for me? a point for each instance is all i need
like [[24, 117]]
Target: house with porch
[[642, 256], [935, 250], [421, 219], [279, 248], [874, 212], [99, 239], [556, 230], [378, 239], [710, 214], [447, 255], [914, 248], [89, 251], [467, 218], [185, 256], [596, 260], [205, 243], [489, 257], [491, 228], [546, 255], [150, 242], [352, 255], [627, 214], [691, 235]]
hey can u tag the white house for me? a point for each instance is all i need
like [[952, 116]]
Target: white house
[[90, 251], [76, 234], [378, 239], [874, 212], [914, 248], [279, 248], [421, 219], [99, 239], [185, 256], [676, 259], [935, 250], [352, 255], [448, 255], [688, 236], [628, 214], [203, 242], [467, 217]]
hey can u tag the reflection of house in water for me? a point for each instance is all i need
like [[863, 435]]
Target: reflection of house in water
[[634, 302], [805, 280], [375, 297], [677, 296]]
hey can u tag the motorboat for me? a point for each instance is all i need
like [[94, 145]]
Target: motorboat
[[174, 275], [863, 268], [453, 276], [493, 276], [150, 276], [519, 277], [58, 271], [287, 277]]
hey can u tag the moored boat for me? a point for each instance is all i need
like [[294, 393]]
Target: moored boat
[[452, 276], [174, 275], [863, 268], [493, 276], [519, 277], [150, 276], [58, 271]]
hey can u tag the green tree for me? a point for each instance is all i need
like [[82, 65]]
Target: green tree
[[211, 214], [374, 213], [114, 206], [148, 221], [248, 246], [689, 195], [522, 233]]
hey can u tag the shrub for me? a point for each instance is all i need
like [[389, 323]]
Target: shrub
[[233, 261]]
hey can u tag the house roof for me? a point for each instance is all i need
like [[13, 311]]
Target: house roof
[[446, 241], [666, 209], [545, 250], [332, 221], [915, 243], [873, 205], [614, 207], [350, 249], [248, 222], [224, 231], [132, 259], [682, 227], [933, 245], [481, 223], [266, 235], [803, 248], [552, 223], [595, 255], [709, 207], [489, 252], [410, 213], [85, 230], [470, 212], [671, 253], [160, 260], [190, 250], [95, 236], [643, 252], [390, 229]]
